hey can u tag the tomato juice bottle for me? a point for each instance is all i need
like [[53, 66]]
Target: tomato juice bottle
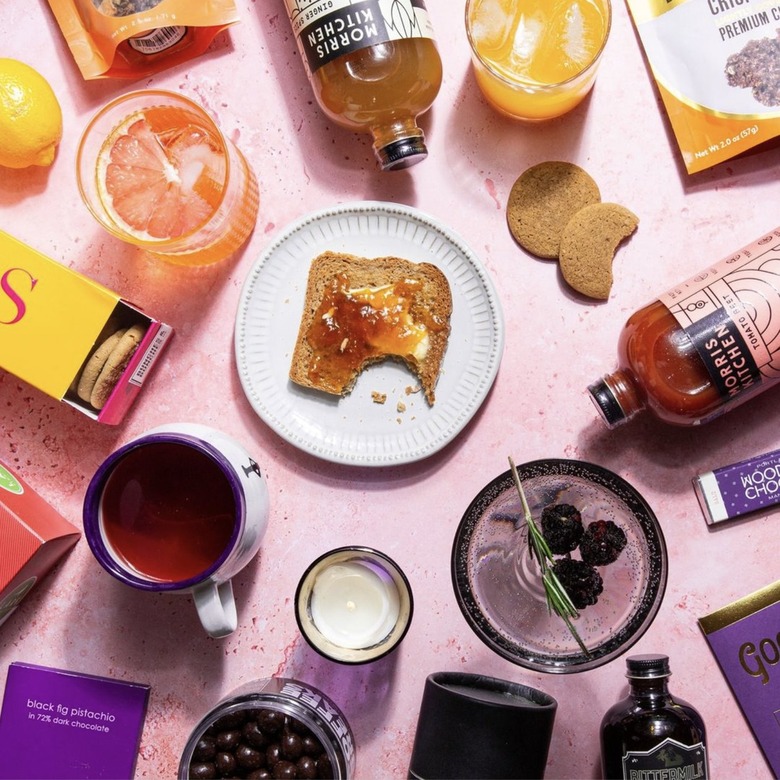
[[374, 67], [702, 347]]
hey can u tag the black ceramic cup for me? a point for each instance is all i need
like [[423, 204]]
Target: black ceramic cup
[[472, 726]]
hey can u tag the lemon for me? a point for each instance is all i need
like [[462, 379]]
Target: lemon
[[30, 116]]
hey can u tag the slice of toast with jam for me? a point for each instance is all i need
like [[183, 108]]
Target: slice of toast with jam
[[359, 311]]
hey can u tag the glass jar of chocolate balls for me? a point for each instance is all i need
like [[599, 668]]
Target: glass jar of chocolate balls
[[273, 728]]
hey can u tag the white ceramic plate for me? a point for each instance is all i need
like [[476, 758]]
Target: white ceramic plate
[[354, 429]]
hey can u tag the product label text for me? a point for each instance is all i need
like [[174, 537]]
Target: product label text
[[327, 29], [757, 660]]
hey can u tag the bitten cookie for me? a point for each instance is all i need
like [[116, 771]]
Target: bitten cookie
[[588, 247], [115, 364], [542, 201], [94, 365]]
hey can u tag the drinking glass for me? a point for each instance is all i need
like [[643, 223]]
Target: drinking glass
[[156, 172], [536, 59]]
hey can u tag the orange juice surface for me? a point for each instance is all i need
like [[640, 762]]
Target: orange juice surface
[[536, 58]]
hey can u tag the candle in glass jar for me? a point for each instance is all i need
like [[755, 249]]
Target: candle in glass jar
[[355, 604]]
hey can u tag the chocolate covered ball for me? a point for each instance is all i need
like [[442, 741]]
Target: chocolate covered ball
[[307, 768], [270, 721], [248, 757], [312, 746], [292, 746], [203, 770], [285, 770], [273, 755], [254, 735], [228, 740], [206, 749], [225, 763], [324, 768]]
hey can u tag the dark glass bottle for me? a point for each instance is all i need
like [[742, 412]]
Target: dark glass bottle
[[651, 729]]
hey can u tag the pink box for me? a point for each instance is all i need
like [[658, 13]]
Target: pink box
[[33, 537]]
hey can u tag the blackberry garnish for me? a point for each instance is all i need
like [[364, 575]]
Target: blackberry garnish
[[561, 527], [580, 580], [602, 543]]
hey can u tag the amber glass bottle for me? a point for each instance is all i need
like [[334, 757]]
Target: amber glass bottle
[[651, 730], [374, 68], [704, 346]]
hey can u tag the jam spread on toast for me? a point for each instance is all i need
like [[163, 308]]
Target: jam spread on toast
[[353, 326]]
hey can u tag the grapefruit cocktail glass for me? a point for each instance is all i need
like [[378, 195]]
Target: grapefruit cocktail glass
[[156, 172], [536, 59]]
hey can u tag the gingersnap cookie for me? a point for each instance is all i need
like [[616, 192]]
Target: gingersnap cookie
[[588, 247], [93, 366], [115, 365], [542, 201]]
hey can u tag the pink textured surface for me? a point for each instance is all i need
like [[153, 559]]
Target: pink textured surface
[[252, 80]]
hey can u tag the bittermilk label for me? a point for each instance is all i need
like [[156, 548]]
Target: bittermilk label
[[669, 759], [326, 29]]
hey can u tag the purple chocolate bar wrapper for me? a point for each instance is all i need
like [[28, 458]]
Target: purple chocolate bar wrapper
[[744, 638], [740, 488], [61, 725]]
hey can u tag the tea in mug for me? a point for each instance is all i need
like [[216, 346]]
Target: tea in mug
[[168, 512]]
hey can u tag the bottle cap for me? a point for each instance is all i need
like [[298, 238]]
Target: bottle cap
[[647, 666], [474, 726], [402, 153], [604, 399]]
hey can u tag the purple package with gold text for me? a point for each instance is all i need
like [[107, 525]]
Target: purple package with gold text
[[743, 637]]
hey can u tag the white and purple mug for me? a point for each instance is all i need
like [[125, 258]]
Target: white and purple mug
[[180, 509]]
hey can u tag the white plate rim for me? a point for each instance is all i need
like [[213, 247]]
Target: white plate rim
[[316, 445]]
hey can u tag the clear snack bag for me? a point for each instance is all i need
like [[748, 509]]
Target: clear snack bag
[[136, 38], [716, 64]]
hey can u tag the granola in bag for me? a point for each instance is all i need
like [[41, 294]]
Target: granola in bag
[[136, 38], [716, 64]]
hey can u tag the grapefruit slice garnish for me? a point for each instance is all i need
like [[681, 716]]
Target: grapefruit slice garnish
[[160, 184]]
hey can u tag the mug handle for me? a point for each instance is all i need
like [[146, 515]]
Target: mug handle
[[216, 607]]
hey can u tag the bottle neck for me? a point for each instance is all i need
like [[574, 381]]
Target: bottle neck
[[617, 396], [652, 689], [399, 144]]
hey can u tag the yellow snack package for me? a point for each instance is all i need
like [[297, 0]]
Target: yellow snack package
[[716, 64], [136, 38]]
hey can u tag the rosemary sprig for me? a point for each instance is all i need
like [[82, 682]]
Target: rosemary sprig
[[558, 600]]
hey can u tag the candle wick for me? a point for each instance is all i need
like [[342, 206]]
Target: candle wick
[[351, 606]]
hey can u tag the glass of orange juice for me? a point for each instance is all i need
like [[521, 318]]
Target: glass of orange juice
[[536, 59], [155, 171]]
